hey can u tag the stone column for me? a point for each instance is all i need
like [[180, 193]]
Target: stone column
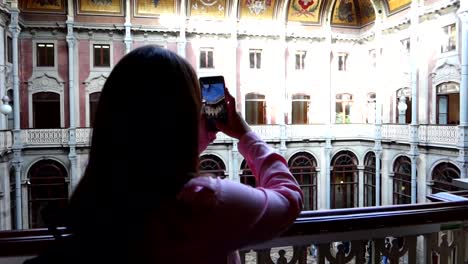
[[72, 99], [361, 185], [330, 119], [378, 108], [235, 161], [128, 28], [3, 72], [282, 96], [463, 127], [17, 145], [413, 152], [182, 40]]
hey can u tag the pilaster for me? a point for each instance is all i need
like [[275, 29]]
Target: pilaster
[[463, 127]]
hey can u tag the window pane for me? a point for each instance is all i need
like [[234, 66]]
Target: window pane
[[442, 104], [46, 110], [259, 60], [10, 49], [45, 55], [252, 60], [105, 56], [454, 109], [101, 55], [298, 64], [202, 59], [299, 112], [210, 59]]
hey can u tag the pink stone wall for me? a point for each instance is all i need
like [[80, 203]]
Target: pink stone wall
[[25, 73], [62, 67], [83, 73], [119, 51]]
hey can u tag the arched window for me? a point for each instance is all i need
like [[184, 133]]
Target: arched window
[[46, 110], [303, 167], [212, 166], [406, 115], [344, 103], [13, 198], [442, 176], [402, 181], [255, 109], [300, 108], [93, 104], [47, 190], [344, 182], [448, 103], [246, 175], [370, 179]]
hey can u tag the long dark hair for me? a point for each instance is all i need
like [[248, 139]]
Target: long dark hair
[[144, 142]]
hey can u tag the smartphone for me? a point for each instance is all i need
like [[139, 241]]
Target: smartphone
[[213, 99]]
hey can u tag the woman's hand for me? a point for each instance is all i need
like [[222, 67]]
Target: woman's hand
[[235, 126]]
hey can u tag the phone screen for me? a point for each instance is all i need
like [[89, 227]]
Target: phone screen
[[214, 104], [213, 93]]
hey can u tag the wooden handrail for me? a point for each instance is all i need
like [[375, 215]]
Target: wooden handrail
[[33, 241]]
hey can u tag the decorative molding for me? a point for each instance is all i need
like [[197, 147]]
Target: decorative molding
[[45, 82], [446, 72], [95, 82]]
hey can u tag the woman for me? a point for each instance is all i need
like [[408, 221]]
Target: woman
[[141, 200]]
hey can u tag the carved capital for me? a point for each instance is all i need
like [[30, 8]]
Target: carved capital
[[463, 15]]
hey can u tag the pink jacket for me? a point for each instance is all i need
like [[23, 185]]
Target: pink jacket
[[227, 215]]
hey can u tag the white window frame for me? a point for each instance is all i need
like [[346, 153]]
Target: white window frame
[[255, 63], [206, 50], [301, 56], [91, 56], [34, 59], [345, 62]]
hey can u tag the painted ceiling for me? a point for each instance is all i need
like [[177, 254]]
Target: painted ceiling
[[348, 13]]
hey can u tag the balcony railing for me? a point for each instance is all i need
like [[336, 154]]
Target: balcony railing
[[6, 140], [418, 233], [436, 135]]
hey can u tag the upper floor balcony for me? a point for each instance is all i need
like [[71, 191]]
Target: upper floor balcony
[[428, 135]]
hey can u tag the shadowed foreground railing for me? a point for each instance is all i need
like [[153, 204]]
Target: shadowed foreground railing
[[421, 233]]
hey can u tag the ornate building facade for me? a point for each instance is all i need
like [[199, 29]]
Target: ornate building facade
[[366, 99]]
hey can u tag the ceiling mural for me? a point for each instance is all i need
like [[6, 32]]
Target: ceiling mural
[[154, 7], [344, 13], [349, 13], [212, 8], [366, 9], [55, 6], [100, 7], [395, 5], [260, 9], [307, 11]]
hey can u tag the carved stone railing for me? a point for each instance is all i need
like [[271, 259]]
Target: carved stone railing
[[306, 132], [414, 234], [353, 131], [438, 135], [41, 137], [419, 233], [6, 140], [83, 136], [393, 132]]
